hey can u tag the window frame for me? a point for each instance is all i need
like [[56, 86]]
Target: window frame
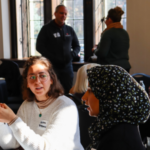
[[47, 18], [14, 53], [89, 30]]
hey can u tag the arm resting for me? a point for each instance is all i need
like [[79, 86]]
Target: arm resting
[[7, 139]]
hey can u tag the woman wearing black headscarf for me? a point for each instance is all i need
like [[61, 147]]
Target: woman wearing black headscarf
[[119, 104]]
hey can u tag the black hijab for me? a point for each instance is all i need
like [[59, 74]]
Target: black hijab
[[121, 99]]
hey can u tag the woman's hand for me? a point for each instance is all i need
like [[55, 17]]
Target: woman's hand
[[6, 114], [95, 47], [2, 105]]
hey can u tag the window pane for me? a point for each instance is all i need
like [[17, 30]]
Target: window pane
[[42, 12], [78, 13], [35, 27], [99, 13], [33, 48], [78, 27], [81, 49], [19, 29], [124, 23], [36, 0], [69, 5], [108, 5], [36, 10], [81, 42], [70, 23], [122, 4], [75, 19], [42, 23]]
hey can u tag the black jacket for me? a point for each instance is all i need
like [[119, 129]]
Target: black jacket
[[113, 48], [56, 44], [121, 137]]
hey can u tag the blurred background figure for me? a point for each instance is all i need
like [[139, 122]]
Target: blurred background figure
[[114, 44], [58, 42]]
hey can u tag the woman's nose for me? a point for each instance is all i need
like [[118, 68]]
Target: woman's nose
[[37, 80], [85, 97]]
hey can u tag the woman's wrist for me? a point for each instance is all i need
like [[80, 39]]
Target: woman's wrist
[[13, 120]]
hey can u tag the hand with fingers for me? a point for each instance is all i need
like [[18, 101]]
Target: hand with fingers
[[2, 105], [95, 47], [6, 114]]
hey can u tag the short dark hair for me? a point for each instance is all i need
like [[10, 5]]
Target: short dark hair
[[57, 7], [115, 14], [56, 88]]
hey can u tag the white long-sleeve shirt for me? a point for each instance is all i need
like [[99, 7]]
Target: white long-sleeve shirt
[[56, 129]]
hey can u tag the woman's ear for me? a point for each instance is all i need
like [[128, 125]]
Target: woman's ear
[[110, 20], [51, 81]]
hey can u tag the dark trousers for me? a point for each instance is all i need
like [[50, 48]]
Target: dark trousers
[[65, 76]]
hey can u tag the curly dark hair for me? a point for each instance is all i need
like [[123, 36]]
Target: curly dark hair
[[56, 88], [115, 14]]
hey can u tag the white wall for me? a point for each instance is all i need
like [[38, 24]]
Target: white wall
[[138, 27], [5, 36]]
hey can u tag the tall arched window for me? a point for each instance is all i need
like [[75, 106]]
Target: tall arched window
[[30, 19]]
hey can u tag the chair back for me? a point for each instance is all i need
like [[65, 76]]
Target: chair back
[[10, 71], [84, 119], [144, 128], [146, 79]]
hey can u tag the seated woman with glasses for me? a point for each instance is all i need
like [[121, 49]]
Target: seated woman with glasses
[[119, 104], [114, 44], [47, 119]]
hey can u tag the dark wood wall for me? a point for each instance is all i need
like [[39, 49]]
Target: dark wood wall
[[88, 8], [13, 28]]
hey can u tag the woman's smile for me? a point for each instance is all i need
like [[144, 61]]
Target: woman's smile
[[39, 88], [88, 108]]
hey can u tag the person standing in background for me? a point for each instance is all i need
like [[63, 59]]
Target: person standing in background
[[58, 42], [114, 44]]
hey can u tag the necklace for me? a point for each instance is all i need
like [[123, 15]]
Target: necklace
[[40, 115], [43, 104], [39, 104]]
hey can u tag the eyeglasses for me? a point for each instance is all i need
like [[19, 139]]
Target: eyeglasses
[[104, 19], [42, 77]]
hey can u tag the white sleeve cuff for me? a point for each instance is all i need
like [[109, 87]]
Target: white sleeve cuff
[[16, 125]]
